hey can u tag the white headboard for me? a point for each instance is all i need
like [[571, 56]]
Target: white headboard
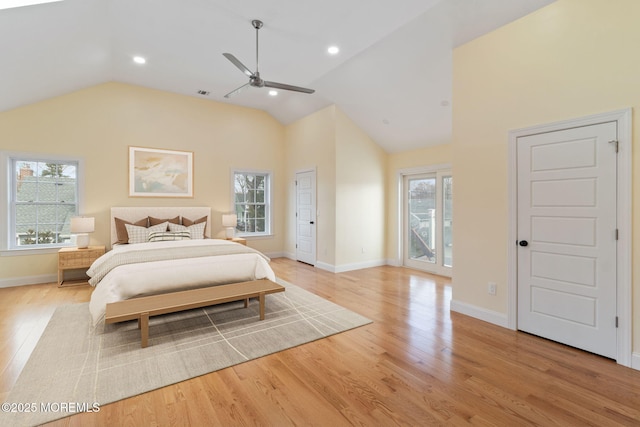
[[135, 213]]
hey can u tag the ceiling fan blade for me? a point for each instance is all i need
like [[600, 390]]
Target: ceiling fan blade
[[288, 87], [238, 90], [238, 64]]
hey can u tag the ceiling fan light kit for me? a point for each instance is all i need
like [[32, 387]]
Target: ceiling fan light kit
[[254, 77]]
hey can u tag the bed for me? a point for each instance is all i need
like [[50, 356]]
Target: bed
[[162, 266]]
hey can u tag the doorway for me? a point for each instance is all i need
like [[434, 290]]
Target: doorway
[[428, 221], [569, 263]]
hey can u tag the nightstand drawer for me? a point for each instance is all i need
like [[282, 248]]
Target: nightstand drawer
[[76, 258], [80, 258]]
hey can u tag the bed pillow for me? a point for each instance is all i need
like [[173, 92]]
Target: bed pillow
[[196, 230], [161, 236], [156, 221], [187, 222], [141, 234], [121, 230]]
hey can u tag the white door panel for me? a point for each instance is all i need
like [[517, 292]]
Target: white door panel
[[567, 215], [574, 231], [305, 217], [564, 268], [563, 193], [568, 154]]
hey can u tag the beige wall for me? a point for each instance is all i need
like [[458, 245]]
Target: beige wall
[[350, 174], [436, 155], [360, 197], [99, 123], [309, 144], [570, 59]]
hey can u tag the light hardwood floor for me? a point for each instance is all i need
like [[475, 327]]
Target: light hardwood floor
[[417, 364]]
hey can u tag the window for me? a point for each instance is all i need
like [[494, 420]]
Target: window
[[43, 196], [252, 203]]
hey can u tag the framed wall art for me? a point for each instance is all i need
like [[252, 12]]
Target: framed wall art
[[160, 173]]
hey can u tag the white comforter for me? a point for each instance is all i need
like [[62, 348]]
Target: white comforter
[[153, 268]]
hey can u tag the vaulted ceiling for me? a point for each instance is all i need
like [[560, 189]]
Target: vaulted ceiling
[[392, 76]]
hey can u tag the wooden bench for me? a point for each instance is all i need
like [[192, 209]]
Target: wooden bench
[[144, 307]]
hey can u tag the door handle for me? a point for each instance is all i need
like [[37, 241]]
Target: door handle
[[311, 222], [523, 243]]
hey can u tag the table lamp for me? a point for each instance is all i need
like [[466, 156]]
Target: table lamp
[[230, 221], [81, 226]]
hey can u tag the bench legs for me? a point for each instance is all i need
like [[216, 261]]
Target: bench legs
[[143, 325], [261, 297], [143, 320]]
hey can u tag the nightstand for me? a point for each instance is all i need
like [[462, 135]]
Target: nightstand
[[240, 240], [75, 259]]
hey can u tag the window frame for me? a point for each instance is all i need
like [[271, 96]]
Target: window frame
[[268, 201], [8, 184]]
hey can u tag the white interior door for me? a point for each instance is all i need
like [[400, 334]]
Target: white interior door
[[567, 236], [306, 217]]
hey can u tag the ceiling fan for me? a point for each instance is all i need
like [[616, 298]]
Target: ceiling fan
[[254, 77]]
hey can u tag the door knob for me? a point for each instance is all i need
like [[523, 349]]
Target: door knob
[[523, 243], [311, 222]]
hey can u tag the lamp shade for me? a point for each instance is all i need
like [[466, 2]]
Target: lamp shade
[[82, 224], [229, 220]]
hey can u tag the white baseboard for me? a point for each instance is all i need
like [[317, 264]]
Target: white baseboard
[[490, 316], [325, 266], [394, 262], [360, 265], [635, 361], [350, 267], [341, 268], [28, 280]]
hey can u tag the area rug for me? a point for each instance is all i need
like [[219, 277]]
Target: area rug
[[76, 368]]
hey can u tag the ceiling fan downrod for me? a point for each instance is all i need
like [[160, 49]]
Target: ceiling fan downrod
[[257, 24]]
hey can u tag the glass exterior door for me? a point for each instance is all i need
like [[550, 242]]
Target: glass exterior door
[[428, 222], [447, 220], [421, 211]]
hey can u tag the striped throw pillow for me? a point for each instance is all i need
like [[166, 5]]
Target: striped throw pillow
[[196, 230], [141, 234], [161, 236]]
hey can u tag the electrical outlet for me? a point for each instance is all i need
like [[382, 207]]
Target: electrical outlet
[[492, 288]]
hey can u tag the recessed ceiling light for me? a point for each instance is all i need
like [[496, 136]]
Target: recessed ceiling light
[[273, 92], [333, 50], [139, 60]]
